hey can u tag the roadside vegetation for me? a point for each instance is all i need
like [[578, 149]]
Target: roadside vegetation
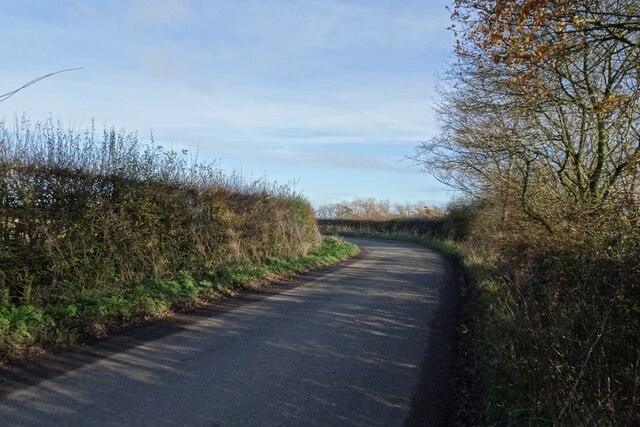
[[540, 129], [550, 325], [540, 134], [372, 216], [99, 230]]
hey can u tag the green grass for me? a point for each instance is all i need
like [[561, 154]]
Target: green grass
[[25, 327]]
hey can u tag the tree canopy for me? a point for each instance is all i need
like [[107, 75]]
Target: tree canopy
[[542, 105]]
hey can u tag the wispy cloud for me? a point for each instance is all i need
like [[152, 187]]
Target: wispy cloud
[[337, 159], [335, 85]]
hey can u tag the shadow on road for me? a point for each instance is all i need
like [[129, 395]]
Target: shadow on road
[[340, 347]]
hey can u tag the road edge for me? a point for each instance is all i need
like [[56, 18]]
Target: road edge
[[454, 396], [57, 361]]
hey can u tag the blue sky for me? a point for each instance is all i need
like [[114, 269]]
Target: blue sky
[[330, 94]]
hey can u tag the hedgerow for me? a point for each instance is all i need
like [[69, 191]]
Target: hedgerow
[[91, 222]]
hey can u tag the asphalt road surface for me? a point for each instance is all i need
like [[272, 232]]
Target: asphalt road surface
[[360, 344]]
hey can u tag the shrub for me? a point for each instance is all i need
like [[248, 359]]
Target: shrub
[[560, 320], [98, 211]]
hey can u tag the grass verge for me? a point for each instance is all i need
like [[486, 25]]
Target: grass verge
[[26, 329]]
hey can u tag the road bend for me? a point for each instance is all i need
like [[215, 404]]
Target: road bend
[[359, 344]]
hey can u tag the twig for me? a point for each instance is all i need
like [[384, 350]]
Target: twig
[[586, 362], [8, 95]]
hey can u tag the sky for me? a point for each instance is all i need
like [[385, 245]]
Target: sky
[[330, 95]]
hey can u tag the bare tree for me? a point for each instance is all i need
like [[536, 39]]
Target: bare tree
[[539, 107], [370, 208]]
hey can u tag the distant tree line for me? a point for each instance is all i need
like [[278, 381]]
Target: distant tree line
[[373, 209]]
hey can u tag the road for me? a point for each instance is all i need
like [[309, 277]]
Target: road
[[360, 344]]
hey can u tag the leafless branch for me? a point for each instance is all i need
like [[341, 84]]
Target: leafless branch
[[8, 95]]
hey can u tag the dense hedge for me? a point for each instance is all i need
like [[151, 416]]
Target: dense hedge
[[428, 227], [101, 210]]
